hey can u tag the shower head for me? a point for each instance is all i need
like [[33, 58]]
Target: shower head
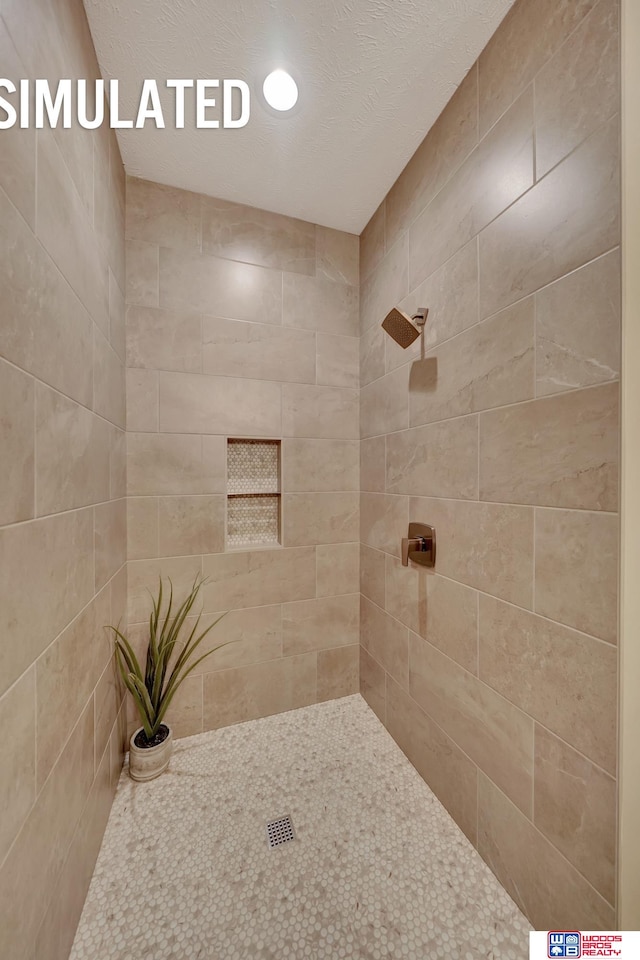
[[402, 328]]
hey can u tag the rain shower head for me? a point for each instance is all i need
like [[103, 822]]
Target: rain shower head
[[402, 328]]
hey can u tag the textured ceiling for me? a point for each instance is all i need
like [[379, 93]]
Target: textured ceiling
[[373, 77]]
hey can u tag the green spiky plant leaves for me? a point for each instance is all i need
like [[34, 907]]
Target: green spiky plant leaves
[[154, 688]]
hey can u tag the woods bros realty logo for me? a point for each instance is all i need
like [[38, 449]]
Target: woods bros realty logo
[[218, 103], [574, 943]]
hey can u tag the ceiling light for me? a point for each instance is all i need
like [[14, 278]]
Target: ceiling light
[[280, 90]]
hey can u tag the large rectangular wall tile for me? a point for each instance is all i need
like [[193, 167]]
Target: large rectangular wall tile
[[338, 672], [523, 42], [109, 381], [30, 871], [578, 328], [110, 539], [142, 273], [190, 525], [452, 620], [372, 354], [579, 88], [580, 551], [164, 339], [175, 463], [444, 767], [143, 582], [386, 286], [142, 400], [18, 163], [564, 679], [64, 228], [558, 451], [192, 403], [242, 637], [337, 569], [372, 574], [185, 713], [525, 862], [315, 303], [72, 454], [34, 295], [238, 232], [372, 242], [384, 404], [309, 465], [117, 317], [221, 288], [489, 365], [499, 170], [233, 348], [337, 255], [488, 546], [452, 137], [384, 521], [17, 440], [405, 594], [162, 215], [310, 518], [437, 460], [117, 462], [372, 684], [245, 693], [372, 464], [490, 730], [575, 808], [18, 785], [551, 230], [107, 698], [250, 579], [320, 624], [386, 640], [323, 412], [74, 662], [337, 360], [62, 588]]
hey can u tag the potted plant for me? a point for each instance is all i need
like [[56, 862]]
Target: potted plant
[[169, 661]]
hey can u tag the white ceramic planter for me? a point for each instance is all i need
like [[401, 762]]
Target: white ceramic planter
[[147, 763]]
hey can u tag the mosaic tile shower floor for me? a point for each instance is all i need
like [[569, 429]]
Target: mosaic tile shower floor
[[377, 870]]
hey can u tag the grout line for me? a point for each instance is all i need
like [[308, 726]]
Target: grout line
[[534, 133], [533, 557], [533, 772], [505, 406], [492, 503]]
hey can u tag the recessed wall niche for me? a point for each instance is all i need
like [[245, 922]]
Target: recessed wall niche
[[253, 492]]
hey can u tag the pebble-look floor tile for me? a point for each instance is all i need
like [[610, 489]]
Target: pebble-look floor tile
[[378, 869]]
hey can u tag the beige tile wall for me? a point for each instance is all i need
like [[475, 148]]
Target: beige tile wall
[[62, 492], [497, 672], [244, 323]]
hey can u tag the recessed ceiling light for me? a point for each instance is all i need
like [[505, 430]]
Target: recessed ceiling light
[[280, 90]]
